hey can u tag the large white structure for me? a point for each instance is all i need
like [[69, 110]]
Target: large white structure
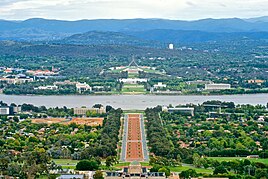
[[179, 109], [217, 86], [160, 85], [82, 87], [4, 110], [133, 80], [16, 80], [84, 110], [54, 87], [171, 46]]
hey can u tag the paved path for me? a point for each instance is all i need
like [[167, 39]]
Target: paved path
[[144, 142], [124, 140], [134, 145]]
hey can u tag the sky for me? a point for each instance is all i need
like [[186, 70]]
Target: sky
[[128, 9]]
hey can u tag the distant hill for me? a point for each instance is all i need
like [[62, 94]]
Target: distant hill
[[258, 19], [31, 34], [38, 29], [157, 38], [62, 50], [179, 36], [107, 38]]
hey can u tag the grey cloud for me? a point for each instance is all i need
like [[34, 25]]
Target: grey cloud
[[94, 9], [190, 3]]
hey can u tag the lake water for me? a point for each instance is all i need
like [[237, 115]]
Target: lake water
[[130, 101]]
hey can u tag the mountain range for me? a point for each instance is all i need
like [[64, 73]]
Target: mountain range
[[133, 31]]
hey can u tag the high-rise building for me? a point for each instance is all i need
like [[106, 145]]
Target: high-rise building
[[171, 46]]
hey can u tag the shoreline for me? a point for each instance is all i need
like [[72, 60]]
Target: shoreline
[[134, 94]]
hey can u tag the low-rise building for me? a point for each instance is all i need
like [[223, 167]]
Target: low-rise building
[[83, 110], [16, 109], [42, 72], [179, 109], [70, 176], [5, 110], [9, 110], [217, 86], [135, 171], [47, 87], [66, 82], [133, 80], [198, 82], [160, 85], [82, 87], [258, 82], [16, 79]]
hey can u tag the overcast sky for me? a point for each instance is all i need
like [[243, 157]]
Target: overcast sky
[[126, 9]]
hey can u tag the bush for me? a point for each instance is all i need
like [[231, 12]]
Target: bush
[[87, 165]]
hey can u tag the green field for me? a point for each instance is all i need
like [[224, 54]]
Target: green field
[[133, 88], [183, 168], [220, 159], [133, 75], [66, 163], [122, 164]]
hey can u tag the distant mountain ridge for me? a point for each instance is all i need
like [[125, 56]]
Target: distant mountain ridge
[[135, 31], [209, 25], [258, 19], [157, 38]]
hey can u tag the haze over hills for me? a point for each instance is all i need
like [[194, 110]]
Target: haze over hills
[[258, 19], [140, 32]]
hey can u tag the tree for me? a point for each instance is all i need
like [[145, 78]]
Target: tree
[[197, 160], [261, 174], [15, 170], [16, 119], [97, 106], [87, 165], [188, 174], [165, 170], [108, 108], [155, 168], [219, 170], [109, 161], [247, 162], [35, 162], [98, 175]]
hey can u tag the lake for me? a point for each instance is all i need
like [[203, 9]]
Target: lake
[[130, 101]]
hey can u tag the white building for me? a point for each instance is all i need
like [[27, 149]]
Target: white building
[[84, 110], [16, 80], [4, 110], [133, 80], [82, 87], [179, 109], [160, 85], [217, 86], [171, 46], [46, 87]]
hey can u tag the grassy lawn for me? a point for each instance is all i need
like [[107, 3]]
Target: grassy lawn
[[113, 168], [134, 111], [183, 168], [45, 176], [220, 159], [122, 164], [145, 164], [65, 161], [129, 88], [153, 71], [133, 75]]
